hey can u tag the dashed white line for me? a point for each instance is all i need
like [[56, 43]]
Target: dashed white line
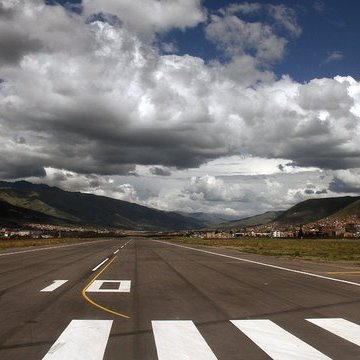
[[263, 264], [82, 339], [126, 244], [102, 263], [56, 284], [115, 252]]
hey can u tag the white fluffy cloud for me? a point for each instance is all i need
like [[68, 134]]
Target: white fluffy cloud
[[211, 188], [101, 101], [97, 98], [346, 181], [148, 17], [264, 41]]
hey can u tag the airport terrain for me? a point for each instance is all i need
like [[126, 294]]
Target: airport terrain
[[148, 299]]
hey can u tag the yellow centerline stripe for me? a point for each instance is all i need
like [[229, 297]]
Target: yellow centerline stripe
[[86, 297]]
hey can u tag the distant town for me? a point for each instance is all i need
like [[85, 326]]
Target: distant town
[[348, 227]]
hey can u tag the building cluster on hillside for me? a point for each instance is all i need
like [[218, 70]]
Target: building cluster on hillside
[[46, 231], [326, 228], [348, 227]]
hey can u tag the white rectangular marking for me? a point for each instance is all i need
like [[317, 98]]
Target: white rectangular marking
[[116, 251], [82, 339], [55, 284], [180, 340], [276, 342], [102, 263], [340, 327], [124, 286]]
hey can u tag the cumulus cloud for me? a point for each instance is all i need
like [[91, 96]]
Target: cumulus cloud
[[346, 181], [296, 195], [236, 36], [210, 188], [96, 98], [148, 17], [88, 183]]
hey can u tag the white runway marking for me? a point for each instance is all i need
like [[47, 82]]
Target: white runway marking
[[116, 251], [126, 244], [340, 327], [123, 286], [102, 263], [56, 284], [276, 342], [82, 339], [262, 264], [180, 340]]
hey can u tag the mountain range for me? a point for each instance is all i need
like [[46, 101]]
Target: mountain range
[[22, 203]]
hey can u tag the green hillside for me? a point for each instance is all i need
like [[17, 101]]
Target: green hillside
[[261, 219], [315, 209], [352, 209], [85, 209]]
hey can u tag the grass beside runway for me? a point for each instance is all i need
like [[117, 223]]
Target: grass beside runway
[[19, 243], [324, 249]]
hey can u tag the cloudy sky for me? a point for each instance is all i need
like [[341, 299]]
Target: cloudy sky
[[232, 107]]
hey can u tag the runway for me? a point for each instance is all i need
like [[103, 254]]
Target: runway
[[146, 299]]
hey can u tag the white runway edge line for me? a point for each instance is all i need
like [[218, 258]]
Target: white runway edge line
[[179, 340], [55, 284], [262, 264], [102, 263], [53, 247], [340, 327], [82, 339], [277, 342]]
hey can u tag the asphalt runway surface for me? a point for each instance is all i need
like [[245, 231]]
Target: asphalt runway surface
[[145, 299]]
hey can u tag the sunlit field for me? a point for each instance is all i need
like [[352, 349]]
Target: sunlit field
[[325, 249]]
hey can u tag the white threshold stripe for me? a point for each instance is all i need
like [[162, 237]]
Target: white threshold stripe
[[180, 340], [102, 263], [82, 339], [263, 264], [277, 342], [55, 284], [340, 327], [53, 247]]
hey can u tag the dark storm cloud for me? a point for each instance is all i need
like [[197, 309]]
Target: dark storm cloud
[[15, 44], [320, 192], [160, 171], [100, 99], [23, 168], [340, 186], [6, 13]]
